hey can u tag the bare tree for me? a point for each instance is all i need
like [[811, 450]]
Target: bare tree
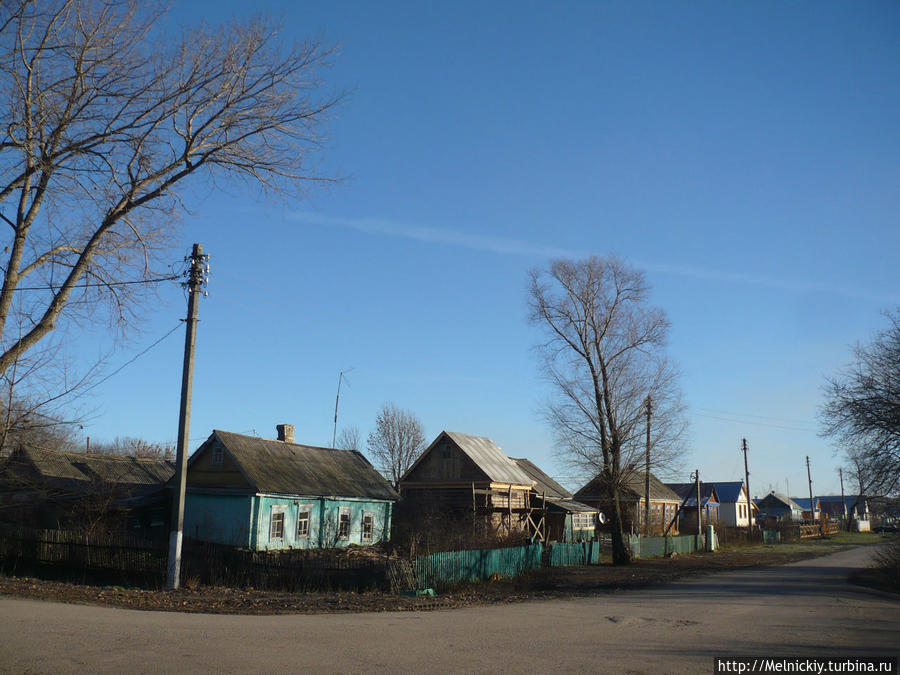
[[25, 425], [604, 354], [129, 446], [396, 442], [104, 119], [862, 411], [36, 406], [348, 439]]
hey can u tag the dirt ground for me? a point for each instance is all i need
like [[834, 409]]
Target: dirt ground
[[545, 583]]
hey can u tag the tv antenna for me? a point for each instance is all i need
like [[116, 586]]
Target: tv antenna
[[342, 376]]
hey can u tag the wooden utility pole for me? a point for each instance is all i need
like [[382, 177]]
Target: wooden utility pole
[[747, 481], [843, 502], [812, 507], [699, 525], [647, 472], [196, 278]]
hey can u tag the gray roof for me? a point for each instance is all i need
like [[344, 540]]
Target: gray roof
[[544, 485], [35, 463], [784, 499], [490, 459], [632, 489], [572, 506], [552, 491], [294, 469]]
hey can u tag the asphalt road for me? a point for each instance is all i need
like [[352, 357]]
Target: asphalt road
[[803, 609]]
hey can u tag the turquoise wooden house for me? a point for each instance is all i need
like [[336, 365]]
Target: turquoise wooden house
[[265, 494]]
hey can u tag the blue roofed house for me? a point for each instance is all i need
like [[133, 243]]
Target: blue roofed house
[[267, 494], [733, 509], [687, 514], [804, 504]]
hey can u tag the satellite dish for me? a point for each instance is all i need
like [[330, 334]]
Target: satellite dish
[[601, 517]]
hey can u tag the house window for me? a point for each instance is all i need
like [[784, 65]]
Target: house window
[[218, 456], [303, 522], [344, 523], [582, 521], [368, 526], [669, 514], [276, 524]]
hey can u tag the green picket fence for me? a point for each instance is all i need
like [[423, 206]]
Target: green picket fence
[[569, 555], [449, 567], [653, 547]]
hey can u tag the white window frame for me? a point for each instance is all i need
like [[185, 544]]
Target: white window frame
[[345, 510], [277, 510], [307, 509], [582, 521], [371, 535]]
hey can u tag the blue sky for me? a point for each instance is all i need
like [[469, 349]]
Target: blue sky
[[743, 154]]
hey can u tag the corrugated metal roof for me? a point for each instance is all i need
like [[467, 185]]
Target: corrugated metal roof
[[572, 506], [544, 485], [490, 458], [86, 467], [294, 469]]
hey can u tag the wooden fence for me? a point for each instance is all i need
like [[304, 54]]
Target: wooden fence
[[122, 559], [653, 547], [441, 569], [288, 570], [568, 555], [826, 529], [128, 560]]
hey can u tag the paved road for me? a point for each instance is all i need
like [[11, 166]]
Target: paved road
[[794, 610]]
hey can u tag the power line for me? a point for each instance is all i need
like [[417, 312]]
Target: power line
[[101, 283], [758, 424], [761, 417], [130, 361]]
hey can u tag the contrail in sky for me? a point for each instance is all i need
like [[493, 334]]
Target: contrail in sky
[[517, 247]]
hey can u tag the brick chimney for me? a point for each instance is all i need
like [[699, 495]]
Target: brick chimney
[[285, 432]]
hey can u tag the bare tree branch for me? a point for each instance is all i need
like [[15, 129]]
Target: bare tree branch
[[105, 119]]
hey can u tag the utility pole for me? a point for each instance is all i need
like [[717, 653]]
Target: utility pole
[[696, 477], [843, 502], [812, 507], [197, 277], [647, 472], [747, 481]]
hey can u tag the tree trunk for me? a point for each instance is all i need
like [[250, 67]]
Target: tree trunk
[[621, 553]]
